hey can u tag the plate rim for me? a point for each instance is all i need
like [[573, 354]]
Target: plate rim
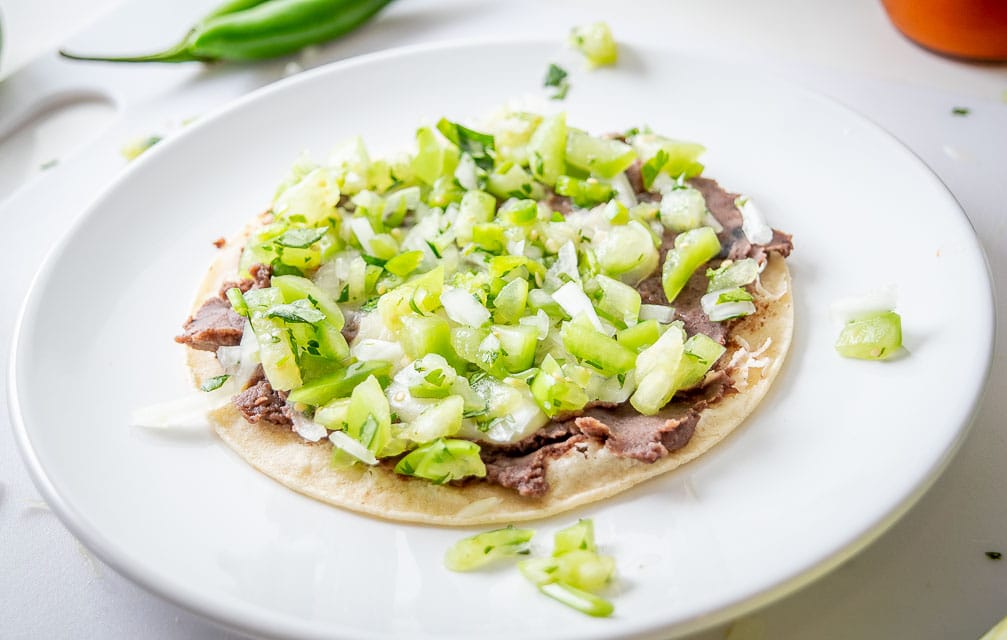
[[248, 620]]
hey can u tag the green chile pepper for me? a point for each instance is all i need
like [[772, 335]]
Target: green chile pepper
[[260, 29]]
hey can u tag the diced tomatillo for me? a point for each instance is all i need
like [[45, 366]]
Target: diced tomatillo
[[692, 249], [584, 569], [340, 384], [595, 41], [421, 335], [554, 392], [405, 263], [443, 460], [547, 149], [682, 158], [597, 350], [605, 157], [483, 548], [577, 537], [276, 353], [584, 193], [871, 338], [440, 420], [639, 336], [581, 600], [368, 417], [509, 303], [656, 372], [700, 353], [682, 209], [616, 301], [518, 211], [733, 274], [433, 158], [626, 252]]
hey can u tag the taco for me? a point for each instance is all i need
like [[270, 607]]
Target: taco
[[504, 325]]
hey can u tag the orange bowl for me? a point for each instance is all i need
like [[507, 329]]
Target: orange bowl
[[973, 29]]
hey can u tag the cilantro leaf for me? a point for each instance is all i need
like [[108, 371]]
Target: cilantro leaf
[[556, 76], [652, 167], [214, 383], [475, 143]]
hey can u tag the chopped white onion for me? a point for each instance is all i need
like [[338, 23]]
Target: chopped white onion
[[623, 190], [463, 308], [308, 429], [405, 405], [229, 357], [188, 411], [682, 209], [540, 321], [610, 389], [565, 265], [370, 326], [466, 173], [362, 229], [523, 419], [373, 349], [709, 301], [515, 247], [754, 224], [710, 221], [489, 344], [608, 328], [725, 310], [248, 359], [871, 303], [663, 183], [729, 310], [411, 196], [345, 443], [662, 313], [575, 302]]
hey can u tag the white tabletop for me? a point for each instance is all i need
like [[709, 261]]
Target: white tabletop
[[928, 577]]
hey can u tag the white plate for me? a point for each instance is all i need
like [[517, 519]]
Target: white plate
[[837, 452]]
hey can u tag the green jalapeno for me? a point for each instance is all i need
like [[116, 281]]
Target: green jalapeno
[[260, 29]]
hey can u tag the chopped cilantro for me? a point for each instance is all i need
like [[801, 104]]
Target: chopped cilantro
[[652, 167], [994, 555], [214, 383], [476, 144], [961, 111], [556, 76]]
